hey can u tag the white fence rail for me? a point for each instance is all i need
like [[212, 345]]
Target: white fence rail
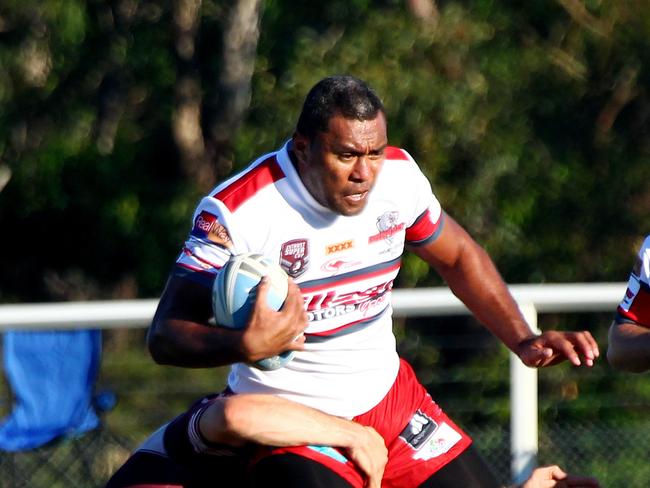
[[532, 299]]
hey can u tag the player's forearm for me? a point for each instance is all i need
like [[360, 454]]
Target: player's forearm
[[270, 420], [192, 345], [180, 334], [547, 476], [478, 284], [629, 347], [183, 332]]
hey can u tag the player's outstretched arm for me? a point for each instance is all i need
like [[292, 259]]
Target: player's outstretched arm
[[473, 277], [270, 420], [181, 335], [629, 347], [553, 476]]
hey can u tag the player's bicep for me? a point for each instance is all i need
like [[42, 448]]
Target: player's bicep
[[628, 346], [183, 309], [447, 248], [184, 299]]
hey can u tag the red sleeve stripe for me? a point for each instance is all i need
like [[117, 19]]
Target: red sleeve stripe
[[639, 311], [392, 152], [264, 174], [195, 269], [423, 228], [189, 253]]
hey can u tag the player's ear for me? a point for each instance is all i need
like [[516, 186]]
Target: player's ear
[[301, 147]]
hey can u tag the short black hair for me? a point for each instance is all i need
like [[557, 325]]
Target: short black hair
[[342, 94]]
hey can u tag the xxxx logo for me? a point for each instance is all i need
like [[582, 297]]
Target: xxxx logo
[[339, 246]]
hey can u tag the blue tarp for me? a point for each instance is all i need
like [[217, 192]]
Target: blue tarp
[[52, 376]]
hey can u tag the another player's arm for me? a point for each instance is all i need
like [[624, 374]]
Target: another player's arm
[[629, 346], [180, 334], [554, 476], [274, 421], [473, 277]]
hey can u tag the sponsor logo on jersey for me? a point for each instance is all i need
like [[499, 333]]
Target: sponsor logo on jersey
[[419, 429], [337, 265], [294, 257], [207, 226], [443, 439], [330, 304], [338, 247], [388, 225]]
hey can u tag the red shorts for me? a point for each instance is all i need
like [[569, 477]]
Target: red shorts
[[419, 436]]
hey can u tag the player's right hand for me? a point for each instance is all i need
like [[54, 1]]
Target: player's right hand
[[271, 332], [370, 455]]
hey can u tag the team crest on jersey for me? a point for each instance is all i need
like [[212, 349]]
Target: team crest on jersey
[[294, 257], [207, 226], [388, 225]]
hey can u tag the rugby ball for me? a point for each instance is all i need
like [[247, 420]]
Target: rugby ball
[[235, 290]]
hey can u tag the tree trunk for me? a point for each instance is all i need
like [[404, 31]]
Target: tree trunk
[[241, 36], [425, 10], [186, 118], [207, 156]]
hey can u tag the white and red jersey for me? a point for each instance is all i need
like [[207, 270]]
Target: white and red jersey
[[345, 267], [635, 306]]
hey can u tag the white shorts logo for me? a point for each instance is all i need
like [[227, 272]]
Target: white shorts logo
[[443, 439], [418, 430]]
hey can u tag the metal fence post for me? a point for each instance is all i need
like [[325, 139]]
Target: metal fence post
[[523, 409]]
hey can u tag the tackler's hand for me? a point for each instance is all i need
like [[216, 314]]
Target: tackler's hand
[[370, 455]]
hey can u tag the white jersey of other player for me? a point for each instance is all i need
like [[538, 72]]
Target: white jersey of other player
[[345, 267], [635, 305]]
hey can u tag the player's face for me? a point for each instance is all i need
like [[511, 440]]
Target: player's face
[[339, 167]]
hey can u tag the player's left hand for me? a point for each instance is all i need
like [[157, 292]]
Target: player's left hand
[[552, 347]]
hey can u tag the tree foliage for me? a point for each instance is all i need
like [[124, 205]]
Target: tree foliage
[[529, 118]]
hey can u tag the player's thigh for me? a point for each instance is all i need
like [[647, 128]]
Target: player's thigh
[[290, 470], [147, 470], [150, 470], [468, 470]]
